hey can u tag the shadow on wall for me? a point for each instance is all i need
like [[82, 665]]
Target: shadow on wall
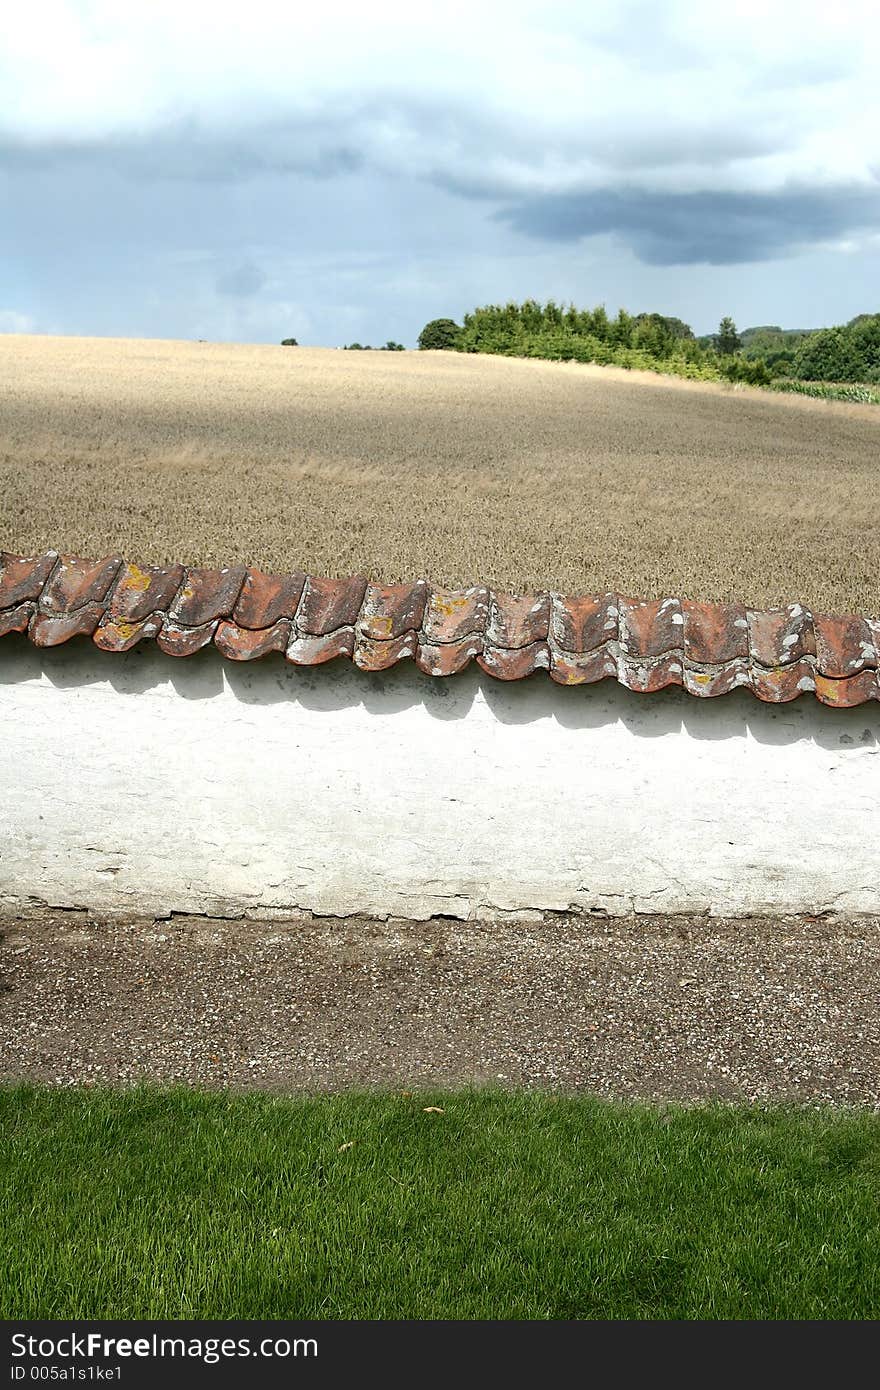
[[340, 685]]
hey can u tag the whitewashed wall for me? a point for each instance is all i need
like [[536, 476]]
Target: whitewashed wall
[[147, 783]]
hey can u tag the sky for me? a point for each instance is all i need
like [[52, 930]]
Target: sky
[[348, 171]]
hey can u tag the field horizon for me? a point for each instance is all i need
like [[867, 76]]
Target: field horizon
[[456, 468]]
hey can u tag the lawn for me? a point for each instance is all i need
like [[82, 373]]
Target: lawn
[[175, 1204]]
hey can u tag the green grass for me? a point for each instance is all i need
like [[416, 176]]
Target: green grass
[[170, 1204], [831, 391]]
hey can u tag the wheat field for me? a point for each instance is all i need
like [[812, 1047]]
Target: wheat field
[[460, 469]]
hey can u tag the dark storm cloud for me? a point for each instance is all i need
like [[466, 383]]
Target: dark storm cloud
[[713, 228]]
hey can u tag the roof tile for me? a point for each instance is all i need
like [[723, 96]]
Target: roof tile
[[207, 595], [517, 620], [265, 598], [843, 646], [854, 690], [512, 663], [16, 619], [646, 644], [121, 634], [451, 614], [329, 604], [22, 577], [177, 640], [582, 668], [646, 677], [245, 644], [781, 635], [142, 591], [313, 650], [714, 632], [650, 627], [447, 658], [583, 624], [372, 654], [390, 610], [47, 631], [779, 684], [76, 583]]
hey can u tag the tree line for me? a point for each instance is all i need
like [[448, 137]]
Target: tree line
[[849, 353]]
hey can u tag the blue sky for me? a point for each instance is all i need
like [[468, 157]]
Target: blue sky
[[245, 172]]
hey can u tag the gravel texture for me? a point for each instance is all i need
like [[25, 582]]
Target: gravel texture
[[661, 1008], [458, 469]]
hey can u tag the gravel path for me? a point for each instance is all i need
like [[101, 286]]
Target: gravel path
[[674, 1008]]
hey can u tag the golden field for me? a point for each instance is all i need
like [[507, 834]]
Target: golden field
[[521, 474]]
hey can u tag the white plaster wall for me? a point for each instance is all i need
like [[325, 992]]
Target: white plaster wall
[[147, 783]]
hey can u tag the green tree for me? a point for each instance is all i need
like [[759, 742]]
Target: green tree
[[289, 342], [439, 333], [727, 340]]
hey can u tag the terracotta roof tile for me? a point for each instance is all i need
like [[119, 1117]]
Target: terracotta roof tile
[[329, 604], [714, 632], [451, 614], [447, 658], [517, 620], [650, 627], [207, 595], [246, 643], [781, 635], [265, 598], [583, 624], [22, 578], [512, 663], [710, 649]]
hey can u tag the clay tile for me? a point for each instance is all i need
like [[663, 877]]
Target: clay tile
[[582, 668], [76, 583], [48, 631], [781, 635], [517, 620], [646, 678], [177, 640], [650, 627], [447, 658], [372, 654], [720, 682], [714, 632], [583, 624], [513, 663], [452, 614], [22, 578], [845, 694], [390, 610], [779, 684], [245, 644], [843, 646], [265, 598], [141, 592], [121, 634], [16, 619], [328, 604], [313, 650], [207, 595]]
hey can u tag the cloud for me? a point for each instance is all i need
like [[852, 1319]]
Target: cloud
[[243, 282], [712, 228]]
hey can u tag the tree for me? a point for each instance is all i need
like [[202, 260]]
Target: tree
[[439, 333], [289, 342], [727, 340]]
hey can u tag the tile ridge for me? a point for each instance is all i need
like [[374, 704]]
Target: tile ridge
[[645, 644]]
